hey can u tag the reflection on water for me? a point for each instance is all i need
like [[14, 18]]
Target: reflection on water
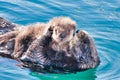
[[86, 75], [100, 18]]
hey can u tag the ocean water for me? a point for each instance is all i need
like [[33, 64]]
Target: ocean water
[[101, 18]]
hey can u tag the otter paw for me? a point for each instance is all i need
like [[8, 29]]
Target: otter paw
[[82, 34]]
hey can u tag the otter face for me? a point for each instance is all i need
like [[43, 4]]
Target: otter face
[[62, 34], [63, 30]]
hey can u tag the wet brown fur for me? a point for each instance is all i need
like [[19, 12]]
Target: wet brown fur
[[83, 44]]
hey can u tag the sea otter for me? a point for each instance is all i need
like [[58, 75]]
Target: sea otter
[[61, 48], [65, 49]]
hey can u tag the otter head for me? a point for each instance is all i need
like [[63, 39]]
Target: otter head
[[63, 29]]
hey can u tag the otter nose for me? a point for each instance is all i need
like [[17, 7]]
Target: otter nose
[[62, 35]]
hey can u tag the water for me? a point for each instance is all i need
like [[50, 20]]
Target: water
[[100, 18]]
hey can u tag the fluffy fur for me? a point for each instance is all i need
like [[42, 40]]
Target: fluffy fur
[[23, 37], [63, 29], [26, 36]]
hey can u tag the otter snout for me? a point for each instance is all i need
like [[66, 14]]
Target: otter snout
[[63, 35]]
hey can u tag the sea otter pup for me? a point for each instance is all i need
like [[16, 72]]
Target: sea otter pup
[[63, 30], [23, 37], [65, 49]]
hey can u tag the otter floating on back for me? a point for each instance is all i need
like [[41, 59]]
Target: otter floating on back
[[59, 48]]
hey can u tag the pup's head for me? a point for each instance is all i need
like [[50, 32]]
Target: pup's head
[[63, 29]]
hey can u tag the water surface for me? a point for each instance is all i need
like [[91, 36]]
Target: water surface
[[100, 18]]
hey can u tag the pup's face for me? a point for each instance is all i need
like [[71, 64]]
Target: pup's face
[[62, 34]]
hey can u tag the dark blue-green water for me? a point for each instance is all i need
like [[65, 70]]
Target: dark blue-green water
[[101, 18]]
